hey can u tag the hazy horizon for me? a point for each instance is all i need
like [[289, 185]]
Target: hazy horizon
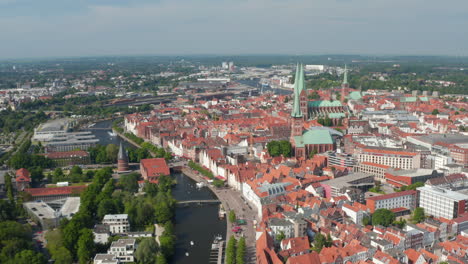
[[88, 28]]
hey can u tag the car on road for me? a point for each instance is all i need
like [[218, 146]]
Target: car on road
[[236, 229]]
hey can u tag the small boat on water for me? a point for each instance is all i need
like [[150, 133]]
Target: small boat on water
[[187, 254], [216, 242], [200, 185], [112, 134], [192, 243]]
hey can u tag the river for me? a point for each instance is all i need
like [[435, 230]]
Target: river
[[199, 224]]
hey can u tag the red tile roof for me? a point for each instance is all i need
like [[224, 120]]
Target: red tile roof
[[155, 167], [55, 191], [310, 258], [23, 175]]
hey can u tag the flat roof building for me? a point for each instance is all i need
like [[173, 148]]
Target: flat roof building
[[440, 202]]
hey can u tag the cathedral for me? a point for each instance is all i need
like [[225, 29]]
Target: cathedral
[[319, 139]]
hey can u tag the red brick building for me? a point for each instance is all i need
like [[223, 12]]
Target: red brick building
[[151, 169]]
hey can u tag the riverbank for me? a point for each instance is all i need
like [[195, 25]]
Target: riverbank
[[232, 200]]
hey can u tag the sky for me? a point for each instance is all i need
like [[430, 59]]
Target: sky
[[64, 28]]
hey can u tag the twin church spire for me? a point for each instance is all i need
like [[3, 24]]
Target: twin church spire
[[299, 86]]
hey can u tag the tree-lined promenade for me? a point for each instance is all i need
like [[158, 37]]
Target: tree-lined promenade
[[231, 200]]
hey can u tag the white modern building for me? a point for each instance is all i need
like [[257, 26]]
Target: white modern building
[[123, 249], [440, 202], [396, 159], [118, 223]]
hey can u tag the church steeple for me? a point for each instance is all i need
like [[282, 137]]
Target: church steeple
[[344, 85], [298, 87], [345, 77]]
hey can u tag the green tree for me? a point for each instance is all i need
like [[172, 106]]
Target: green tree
[[280, 236], [240, 252], [76, 170], [167, 244], [7, 211], [383, 217], [160, 259], [85, 246], [37, 174], [231, 251], [320, 242], [147, 251], [163, 212], [29, 257], [366, 220], [150, 189], [112, 150], [106, 206], [232, 216], [435, 112], [129, 182], [418, 215]]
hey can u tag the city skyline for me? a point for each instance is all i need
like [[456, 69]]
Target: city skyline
[[184, 27]]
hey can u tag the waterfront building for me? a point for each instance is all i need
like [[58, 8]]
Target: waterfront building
[[151, 169], [56, 135], [122, 160]]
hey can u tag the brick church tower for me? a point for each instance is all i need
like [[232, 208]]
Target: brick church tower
[[122, 160]]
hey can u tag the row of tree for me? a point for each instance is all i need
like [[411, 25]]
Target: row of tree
[[235, 251]]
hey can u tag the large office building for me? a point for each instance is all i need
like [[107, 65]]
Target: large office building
[[440, 202], [405, 199], [340, 159], [56, 135], [397, 159]]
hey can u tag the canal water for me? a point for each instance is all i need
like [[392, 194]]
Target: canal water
[[197, 223]]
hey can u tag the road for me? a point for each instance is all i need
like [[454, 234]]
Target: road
[[232, 200]]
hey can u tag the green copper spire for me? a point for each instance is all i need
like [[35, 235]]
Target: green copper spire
[[345, 78], [298, 85]]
